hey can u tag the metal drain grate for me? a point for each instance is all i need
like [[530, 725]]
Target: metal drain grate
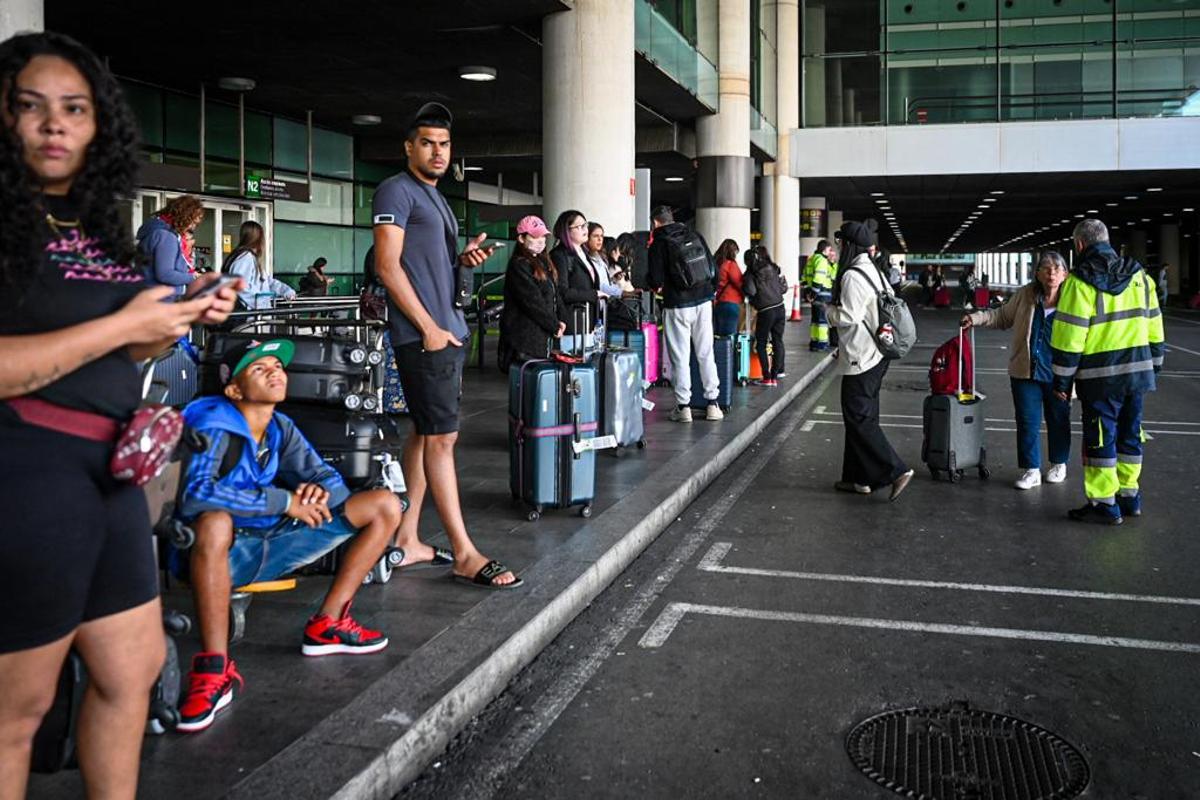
[[960, 753]]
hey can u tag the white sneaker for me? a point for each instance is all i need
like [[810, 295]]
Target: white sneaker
[[1029, 479], [714, 413], [1057, 473], [681, 414]]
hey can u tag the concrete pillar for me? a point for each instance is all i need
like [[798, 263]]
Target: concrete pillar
[[589, 148], [21, 16], [1168, 253], [785, 242], [725, 177], [767, 220]]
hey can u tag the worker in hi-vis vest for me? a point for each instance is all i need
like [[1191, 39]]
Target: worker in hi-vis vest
[[1107, 339], [819, 274]]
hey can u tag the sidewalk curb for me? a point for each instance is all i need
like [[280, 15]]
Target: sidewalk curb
[[383, 762]]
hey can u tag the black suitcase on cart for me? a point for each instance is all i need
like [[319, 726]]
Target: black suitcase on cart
[[352, 444], [325, 370], [953, 429]]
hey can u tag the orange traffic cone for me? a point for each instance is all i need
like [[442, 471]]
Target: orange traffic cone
[[795, 305], [755, 368]]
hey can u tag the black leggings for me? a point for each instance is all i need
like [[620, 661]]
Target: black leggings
[[868, 458], [771, 322]]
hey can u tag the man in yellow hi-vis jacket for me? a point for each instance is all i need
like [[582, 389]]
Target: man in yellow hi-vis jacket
[[1107, 339], [819, 274]]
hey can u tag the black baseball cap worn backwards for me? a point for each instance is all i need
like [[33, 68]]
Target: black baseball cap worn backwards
[[432, 115]]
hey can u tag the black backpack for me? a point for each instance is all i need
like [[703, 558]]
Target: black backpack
[[691, 265]]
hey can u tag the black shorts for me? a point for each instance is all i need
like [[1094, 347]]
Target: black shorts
[[74, 544], [432, 384]]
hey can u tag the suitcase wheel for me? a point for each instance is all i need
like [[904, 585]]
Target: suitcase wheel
[[177, 623], [394, 556], [984, 473], [743, 382], [586, 511], [239, 602], [182, 536], [163, 718], [933, 473], [956, 476], [380, 573], [534, 514], [641, 444]]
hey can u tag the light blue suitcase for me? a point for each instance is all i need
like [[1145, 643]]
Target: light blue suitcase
[[551, 405]]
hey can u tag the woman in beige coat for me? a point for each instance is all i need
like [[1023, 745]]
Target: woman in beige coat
[[1030, 314]]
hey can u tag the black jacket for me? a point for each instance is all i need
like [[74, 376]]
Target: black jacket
[[577, 285], [532, 310], [763, 285], [659, 269]]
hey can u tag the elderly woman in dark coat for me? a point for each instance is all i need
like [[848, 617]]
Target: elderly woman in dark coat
[[533, 310]]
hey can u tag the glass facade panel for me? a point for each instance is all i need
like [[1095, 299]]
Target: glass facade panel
[[291, 145], [221, 130], [147, 105], [330, 202], [981, 60], [181, 123], [333, 154], [656, 38], [298, 245], [258, 138]]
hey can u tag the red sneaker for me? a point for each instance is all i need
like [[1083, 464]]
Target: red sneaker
[[212, 684], [324, 635]]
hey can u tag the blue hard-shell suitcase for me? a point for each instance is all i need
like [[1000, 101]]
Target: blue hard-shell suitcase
[[724, 355], [176, 377], [551, 405]]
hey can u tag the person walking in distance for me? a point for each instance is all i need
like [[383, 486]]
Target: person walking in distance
[[680, 265], [1107, 342], [416, 259], [868, 462]]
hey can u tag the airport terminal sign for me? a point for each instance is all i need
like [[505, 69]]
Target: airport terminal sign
[[257, 187]]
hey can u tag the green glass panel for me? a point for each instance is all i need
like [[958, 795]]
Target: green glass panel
[[258, 138], [291, 145], [221, 130], [333, 154], [364, 238], [147, 105], [363, 196], [373, 173], [298, 245], [221, 177], [181, 121]]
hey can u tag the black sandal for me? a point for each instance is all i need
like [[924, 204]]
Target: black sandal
[[487, 575]]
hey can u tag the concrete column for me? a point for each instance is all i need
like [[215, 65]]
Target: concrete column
[[785, 242], [725, 178], [767, 220], [589, 148], [21, 16], [1168, 253]]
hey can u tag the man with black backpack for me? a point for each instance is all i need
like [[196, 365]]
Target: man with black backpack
[[681, 268]]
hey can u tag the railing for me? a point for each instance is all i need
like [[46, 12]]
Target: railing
[[485, 314], [916, 109]]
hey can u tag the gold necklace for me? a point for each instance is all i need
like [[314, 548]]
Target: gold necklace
[[54, 222]]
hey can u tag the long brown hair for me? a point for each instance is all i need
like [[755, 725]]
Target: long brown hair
[[250, 240], [727, 251], [540, 263]]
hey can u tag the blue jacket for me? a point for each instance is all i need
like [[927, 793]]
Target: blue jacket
[[259, 290], [161, 246], [256, 494]]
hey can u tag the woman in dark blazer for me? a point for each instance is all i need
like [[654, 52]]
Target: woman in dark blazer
[[578, 283], [532, 309]]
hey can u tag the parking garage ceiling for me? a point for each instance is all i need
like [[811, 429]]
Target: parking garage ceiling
[[1011, 212]]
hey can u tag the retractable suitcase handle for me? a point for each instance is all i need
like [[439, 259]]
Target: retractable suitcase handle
[[964, 396]]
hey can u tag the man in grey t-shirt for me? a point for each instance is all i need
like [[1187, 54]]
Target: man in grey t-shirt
[[416, 258]]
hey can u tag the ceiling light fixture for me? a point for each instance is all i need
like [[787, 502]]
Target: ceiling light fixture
[[366, 119], [1189, 208], [1154, 189], [477, 73], [996, 191], [674, 179], [989, 199], [876, 194], [473, 169], [1111, 205], [1131, 197]]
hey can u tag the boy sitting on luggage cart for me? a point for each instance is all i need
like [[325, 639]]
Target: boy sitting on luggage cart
[[262, 511]]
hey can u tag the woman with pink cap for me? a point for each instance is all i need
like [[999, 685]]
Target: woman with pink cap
[[533, 310]]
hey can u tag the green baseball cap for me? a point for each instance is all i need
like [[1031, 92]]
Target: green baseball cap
[[242, 355]]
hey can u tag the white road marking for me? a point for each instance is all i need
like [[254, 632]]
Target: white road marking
[[658, 633], [808, 425], [716, 554], [1147, 431], [820, 411], [1174, 318], [488, 774], [1172, 346]]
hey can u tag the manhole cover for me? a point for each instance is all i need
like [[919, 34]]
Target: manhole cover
[[960, 753]]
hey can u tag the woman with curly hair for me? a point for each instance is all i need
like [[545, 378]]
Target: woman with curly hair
[[165, 240], [77, 567]]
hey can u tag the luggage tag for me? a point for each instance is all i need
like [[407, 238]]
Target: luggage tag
[[597, 443], [647, 405]]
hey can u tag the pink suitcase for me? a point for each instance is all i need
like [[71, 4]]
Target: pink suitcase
[[653, 359]]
